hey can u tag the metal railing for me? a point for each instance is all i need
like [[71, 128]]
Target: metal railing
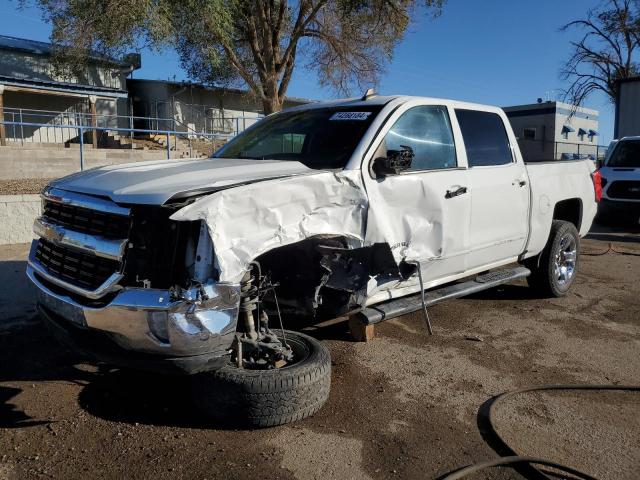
[[83, 129], [20, 117], [204, 116], [545, 150]]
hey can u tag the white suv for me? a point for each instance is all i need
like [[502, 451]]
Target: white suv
[[621, 181]]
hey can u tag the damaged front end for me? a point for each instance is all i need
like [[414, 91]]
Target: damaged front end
[[175, 287], [324, 277], [308, 235], [154, 303]]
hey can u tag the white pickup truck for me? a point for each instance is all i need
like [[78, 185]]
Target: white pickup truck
[[370, 207]]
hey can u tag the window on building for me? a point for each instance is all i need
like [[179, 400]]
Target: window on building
[[566, 130], [529, 133], [485, 138], [425, 129], [581, 134]]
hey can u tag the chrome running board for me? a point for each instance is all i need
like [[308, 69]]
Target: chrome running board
[[401, 306]]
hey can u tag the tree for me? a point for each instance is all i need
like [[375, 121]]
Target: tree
[[252, 43], [608, 50]]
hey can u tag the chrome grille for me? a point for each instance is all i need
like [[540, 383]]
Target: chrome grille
[[84, 220], [82, 242], [82, 270]]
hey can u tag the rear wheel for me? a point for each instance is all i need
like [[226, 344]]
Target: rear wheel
[[268, 397], [555, 269]]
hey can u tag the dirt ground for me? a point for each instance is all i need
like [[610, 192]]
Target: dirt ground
[[23, 186], [402, 406]]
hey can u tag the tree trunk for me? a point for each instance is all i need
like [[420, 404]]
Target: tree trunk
[[271, 105]]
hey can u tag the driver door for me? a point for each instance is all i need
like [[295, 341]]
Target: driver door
[[423, 213]]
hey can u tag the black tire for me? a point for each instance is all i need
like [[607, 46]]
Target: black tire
[[266, 398], [544, 278]]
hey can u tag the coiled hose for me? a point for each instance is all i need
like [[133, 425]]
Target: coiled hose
[[610, 249], [485, 417]]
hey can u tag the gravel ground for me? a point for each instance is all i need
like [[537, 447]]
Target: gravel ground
[[402, 406], [23, 186]]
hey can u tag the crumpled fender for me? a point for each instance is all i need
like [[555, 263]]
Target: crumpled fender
[[247, 221]]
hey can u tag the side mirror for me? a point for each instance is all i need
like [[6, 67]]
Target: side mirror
[[396, 161]]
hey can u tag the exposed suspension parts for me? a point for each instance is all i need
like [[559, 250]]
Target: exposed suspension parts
[[256, 346]]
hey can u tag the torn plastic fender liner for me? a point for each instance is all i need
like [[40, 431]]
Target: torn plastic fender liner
[[249, 220], [351, 269]]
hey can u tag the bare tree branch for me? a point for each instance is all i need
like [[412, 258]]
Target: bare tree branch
[[607, 51]]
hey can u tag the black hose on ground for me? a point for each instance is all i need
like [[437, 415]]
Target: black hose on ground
[[510, 456], [610, 249], [503, 461]]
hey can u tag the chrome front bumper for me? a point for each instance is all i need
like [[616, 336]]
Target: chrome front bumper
[[150, 321]]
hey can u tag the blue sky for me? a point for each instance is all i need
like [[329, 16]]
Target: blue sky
[[499, 52]]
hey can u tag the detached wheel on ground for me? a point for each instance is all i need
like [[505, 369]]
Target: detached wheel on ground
[[265, 398], [555, 269]]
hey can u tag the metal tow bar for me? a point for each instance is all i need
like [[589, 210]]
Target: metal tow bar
[[425, 313]]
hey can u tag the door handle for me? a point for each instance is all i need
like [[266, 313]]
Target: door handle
[[519, 182], [455, 191]]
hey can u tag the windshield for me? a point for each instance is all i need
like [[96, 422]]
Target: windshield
[[320, 138], [626, 155]]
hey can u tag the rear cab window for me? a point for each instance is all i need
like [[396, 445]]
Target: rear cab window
[[485, 138]]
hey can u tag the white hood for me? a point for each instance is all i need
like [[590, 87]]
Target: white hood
[[153, 183]]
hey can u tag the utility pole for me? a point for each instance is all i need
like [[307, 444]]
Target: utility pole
[[94, 119], [3, 140]]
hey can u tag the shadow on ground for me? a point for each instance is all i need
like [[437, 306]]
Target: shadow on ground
[[29, 354], [16, 294], [10, 415], [507, 292]]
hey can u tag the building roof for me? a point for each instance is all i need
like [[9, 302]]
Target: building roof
[[72, 88], [550, 108], [46, 49], [237, 91]]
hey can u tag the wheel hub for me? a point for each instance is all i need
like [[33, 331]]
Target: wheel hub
[[565, 260], [256, 346]]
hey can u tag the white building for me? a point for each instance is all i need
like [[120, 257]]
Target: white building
[[194, 107], [555, 131], [33, 91]]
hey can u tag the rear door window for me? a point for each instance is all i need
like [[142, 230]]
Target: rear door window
[[485, 138]]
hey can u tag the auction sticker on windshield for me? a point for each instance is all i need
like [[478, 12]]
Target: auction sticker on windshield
[[350, 116]]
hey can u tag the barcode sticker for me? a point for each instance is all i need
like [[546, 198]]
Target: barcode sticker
[[350, 116]]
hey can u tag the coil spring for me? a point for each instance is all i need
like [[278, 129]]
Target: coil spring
[[248, 293]]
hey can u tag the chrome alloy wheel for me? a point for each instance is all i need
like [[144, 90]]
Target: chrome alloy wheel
[[565, 260]]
